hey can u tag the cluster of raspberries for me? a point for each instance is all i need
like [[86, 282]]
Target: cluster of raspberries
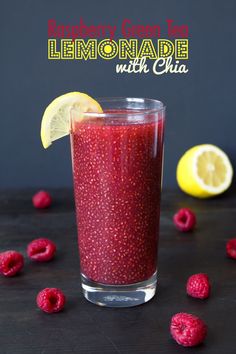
[[49, 300], [188, 330]]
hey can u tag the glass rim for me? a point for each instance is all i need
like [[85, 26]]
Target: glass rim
[[160, 107]]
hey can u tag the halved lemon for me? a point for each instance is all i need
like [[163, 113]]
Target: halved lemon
[[204, 171], [56, 118]]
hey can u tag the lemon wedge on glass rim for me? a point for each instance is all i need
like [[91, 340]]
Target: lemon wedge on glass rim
[[56, 118], [204, 171]]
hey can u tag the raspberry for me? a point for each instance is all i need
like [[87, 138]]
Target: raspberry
[[198, 286], [42, 200], [231, 248], [188, 330], [184, 220], [41, 250], [11, 263], [51, 300]]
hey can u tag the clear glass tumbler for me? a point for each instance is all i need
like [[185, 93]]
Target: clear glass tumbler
[[117, 171]]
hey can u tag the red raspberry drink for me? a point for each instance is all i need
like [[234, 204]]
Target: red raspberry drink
[[117, 168]]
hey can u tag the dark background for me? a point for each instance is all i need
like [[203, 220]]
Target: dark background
[[84, 328], [200, 105]]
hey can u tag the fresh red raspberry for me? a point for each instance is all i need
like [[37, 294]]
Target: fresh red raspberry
[[11, 263], [188, 330], [51, 300], [198, 286], [231, 248], [41, 250], [184, 220], [42, 200]]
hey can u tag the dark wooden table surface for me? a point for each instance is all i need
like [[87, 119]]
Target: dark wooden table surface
[[85, 328]]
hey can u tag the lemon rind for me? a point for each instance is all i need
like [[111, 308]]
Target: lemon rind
[[70, 99]]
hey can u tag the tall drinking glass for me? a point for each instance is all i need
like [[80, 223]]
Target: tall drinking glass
[[117, 170]]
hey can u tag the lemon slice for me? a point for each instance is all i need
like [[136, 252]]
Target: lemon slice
[[56, 118], [204, 171]]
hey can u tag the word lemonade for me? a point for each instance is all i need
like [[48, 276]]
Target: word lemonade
[[147, 45]]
